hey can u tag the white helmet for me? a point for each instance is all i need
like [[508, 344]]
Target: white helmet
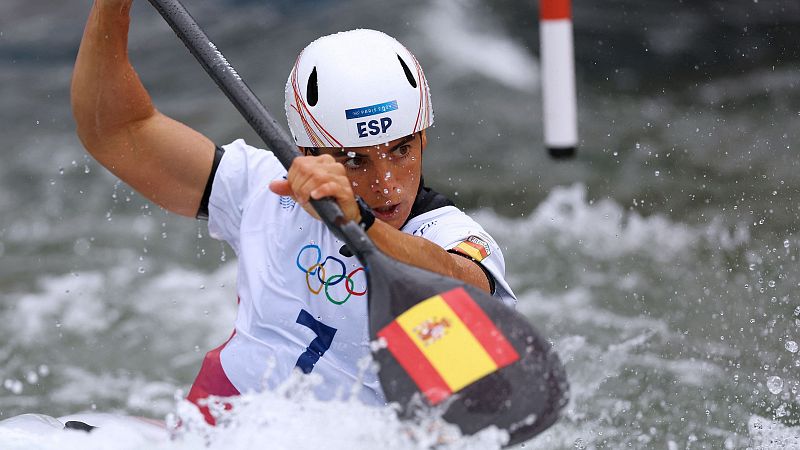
[[356, 88]]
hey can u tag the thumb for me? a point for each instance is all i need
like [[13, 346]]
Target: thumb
[[281, 187]]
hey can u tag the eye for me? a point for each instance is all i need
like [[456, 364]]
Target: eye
[[401, 151], [353, 163]]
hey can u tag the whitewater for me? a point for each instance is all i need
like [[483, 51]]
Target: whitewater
[[662, 262]]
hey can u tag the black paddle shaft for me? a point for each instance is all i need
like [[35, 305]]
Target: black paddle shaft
[[254, 112]]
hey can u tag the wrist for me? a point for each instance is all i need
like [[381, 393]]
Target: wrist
[[366, 216]]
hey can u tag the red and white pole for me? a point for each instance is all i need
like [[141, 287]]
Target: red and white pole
[[558, 78]]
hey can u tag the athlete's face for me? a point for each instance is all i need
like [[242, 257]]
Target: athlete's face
[[386, 176]]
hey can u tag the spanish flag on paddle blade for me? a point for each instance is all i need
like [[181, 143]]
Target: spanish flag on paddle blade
[[446, 343]]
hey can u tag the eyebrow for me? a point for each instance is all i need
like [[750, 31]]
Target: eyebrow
[[343, 152], [405, 140]]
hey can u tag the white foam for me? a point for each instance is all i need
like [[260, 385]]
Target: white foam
[[766, 434], [603, 229], [114, 337], [585, 267], [471, 43], [289, 417]]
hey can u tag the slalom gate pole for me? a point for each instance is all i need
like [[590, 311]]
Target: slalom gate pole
[[558, 78]]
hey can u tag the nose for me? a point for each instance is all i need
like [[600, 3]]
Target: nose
[[385, 182]]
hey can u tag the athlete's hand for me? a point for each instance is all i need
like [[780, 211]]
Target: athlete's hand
[[316, 177]]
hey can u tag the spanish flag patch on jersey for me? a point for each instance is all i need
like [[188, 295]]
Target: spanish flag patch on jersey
[[473, 247], [446, 343]]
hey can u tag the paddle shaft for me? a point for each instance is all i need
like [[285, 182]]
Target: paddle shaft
[[254, 112]]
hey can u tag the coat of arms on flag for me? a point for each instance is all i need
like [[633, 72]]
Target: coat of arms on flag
[[430, 331]]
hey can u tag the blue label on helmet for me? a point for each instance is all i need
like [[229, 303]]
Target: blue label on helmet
[[364, 111]]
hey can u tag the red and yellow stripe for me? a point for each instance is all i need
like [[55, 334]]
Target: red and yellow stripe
[[466, 347], [474, 248]]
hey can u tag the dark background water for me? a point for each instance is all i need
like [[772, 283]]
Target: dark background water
[[662, 260]]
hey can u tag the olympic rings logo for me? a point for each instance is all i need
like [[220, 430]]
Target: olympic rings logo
[[317, 271]]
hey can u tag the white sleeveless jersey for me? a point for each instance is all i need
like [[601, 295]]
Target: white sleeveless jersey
[[302, 304]]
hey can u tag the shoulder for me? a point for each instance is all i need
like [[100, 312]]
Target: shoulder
[[452, 228], [239, 156], [446, 217], [457, 232], [243, 170], [242, 176]]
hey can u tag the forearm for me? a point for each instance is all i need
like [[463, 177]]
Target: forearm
[[107, 96], [422, 253]]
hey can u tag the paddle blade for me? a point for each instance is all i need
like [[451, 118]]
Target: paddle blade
[[454, 347]]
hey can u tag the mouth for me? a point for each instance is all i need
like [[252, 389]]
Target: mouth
[[386, 213]]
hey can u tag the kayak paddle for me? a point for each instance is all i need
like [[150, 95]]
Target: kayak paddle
[[444, 344]]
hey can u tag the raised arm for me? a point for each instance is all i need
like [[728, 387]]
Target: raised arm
[[163, 159]]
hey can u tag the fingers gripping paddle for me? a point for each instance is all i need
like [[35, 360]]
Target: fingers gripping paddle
[[447, 345]]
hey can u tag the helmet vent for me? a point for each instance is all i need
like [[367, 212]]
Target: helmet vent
[[312, 91], [409, 75]]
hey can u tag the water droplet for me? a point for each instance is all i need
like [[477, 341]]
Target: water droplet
[[15, 386], [141, 269], [44, 370], [771, 283], [32, 377], [81, 247], [387, 175], [791, 346], [786, 243], [86, 168], [658, 172], [61, 171], [775, 384], [351, 154], [385, 191]]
